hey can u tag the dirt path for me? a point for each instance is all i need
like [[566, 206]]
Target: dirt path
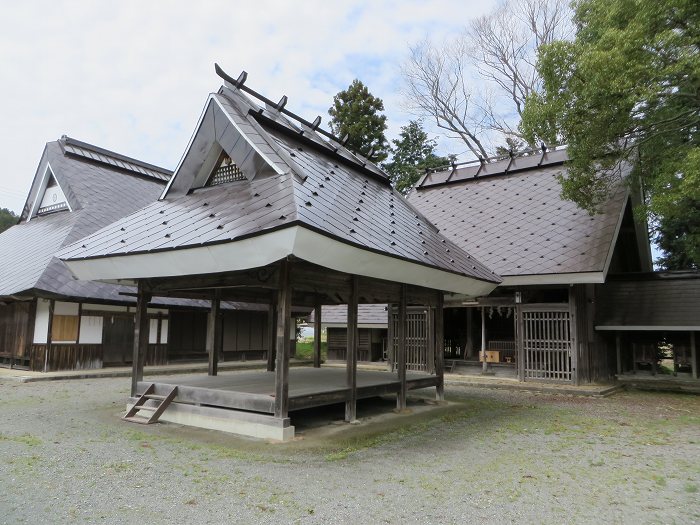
[[488, 457]]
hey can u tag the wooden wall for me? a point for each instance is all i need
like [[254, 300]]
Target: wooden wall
[[337, 345], [16, 330], [245, 335], [596, 357]]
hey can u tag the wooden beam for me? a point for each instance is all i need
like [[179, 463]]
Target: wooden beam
[[401, 350], [214, 340], [140, 336], [351, 354], [261, 278], [284, 312], [693, 356], [440, 347], [317, 335], [271, 335]]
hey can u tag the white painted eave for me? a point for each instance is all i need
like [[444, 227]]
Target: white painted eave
[[267, 248], [554, 278]]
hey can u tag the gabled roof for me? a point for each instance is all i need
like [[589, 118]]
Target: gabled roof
[[303, 195], [98, 192], [510, 214]]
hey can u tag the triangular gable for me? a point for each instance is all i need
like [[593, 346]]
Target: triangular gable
[[50, 197], [223, 130]]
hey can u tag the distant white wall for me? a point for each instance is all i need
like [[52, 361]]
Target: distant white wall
[[164, 332], [41, 323], [91, 330], [153, 332]]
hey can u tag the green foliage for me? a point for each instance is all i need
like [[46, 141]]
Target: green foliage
[[627, 89], [413, 153], [356, 112], [7, 219]]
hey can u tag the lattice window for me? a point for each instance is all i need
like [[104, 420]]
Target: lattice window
[[227, 171], [52, 208]]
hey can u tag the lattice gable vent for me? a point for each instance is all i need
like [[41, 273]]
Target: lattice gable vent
[[225, 171]]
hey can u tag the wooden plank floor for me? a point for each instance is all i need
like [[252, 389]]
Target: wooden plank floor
[[302, 381]]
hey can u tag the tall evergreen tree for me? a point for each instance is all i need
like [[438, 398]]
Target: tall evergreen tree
[[412, 154], [7, 219], [357, 113]]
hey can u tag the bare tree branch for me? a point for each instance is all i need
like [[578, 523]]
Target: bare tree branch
[[499, 48]]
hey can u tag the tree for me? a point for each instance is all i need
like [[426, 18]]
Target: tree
[[356, 113], [477, 84], [7, 219], [626, 93], [413, 153]]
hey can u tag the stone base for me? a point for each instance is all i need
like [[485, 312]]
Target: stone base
[[247, 424]]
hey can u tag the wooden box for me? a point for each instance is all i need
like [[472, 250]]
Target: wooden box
[[492, 356]]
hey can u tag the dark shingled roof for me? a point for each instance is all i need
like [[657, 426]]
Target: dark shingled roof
[[516, 221], [668, 299], [375, 314], [323, 187], [99, 193]]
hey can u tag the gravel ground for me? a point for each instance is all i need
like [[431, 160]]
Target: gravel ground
[[488, 457]]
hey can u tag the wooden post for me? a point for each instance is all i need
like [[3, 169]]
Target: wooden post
[[520, 340], [618, 352], [140, 337], [440, 346], [430, 340], [49, 335], [401, 350], [693, 356], [284, 313], [214, 339], [271, 335], [469, 344], [317, 335], [484, 365], [351, 354], [390, 350]]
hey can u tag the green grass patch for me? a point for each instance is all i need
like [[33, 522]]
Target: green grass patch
[[305, 350], [25, 439]]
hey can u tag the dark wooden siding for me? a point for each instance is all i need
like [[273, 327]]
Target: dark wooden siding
[[187, 336], [16, 332], [337, 344], [596, 356], [245, 335]]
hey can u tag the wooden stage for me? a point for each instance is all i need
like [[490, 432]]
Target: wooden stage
[[243, 402]]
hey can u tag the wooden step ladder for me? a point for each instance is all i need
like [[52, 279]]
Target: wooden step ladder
[[134, 413]]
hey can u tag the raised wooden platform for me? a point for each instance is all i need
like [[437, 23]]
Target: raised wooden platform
[[242, 402]]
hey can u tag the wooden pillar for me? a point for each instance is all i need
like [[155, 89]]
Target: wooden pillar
[[430, 340], [49, 335], [271, 335], [440, 346], [484, 365], [618, 352], [317, 335], [469, 343], [401, 350], [140, 337], [520, 338], [214, 335], [693, 356], [284, 313], [390, 349], [351, 354]]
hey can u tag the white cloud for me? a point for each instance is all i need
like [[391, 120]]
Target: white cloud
[[132, 76]]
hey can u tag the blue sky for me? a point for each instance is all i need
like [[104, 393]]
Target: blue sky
[[133, 76]]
